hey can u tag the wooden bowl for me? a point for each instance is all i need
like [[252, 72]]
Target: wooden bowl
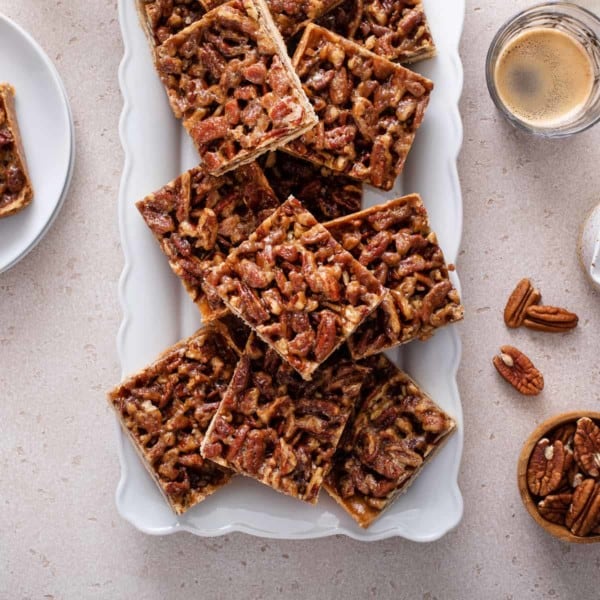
[[558, 531]]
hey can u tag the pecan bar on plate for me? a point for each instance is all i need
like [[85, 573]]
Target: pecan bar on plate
[[369, 108], [230, 78], [15, 187], [163, 18], [290, 15], [166, 409], [326, 195], [198, 218], [395, 29], [395, 242], [296, 287], [395, 432], [274, 426]]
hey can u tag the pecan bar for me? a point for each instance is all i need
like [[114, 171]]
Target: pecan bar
[[326, 195], [395, 242], [229, 77], [163, 18], [396, 431], [395, 29], [166, 409], [369, 108], [296, 287], [277, 428], [199, 218], [15, 187], [290, 15]]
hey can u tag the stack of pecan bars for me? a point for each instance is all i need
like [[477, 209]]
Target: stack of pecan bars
[[299, 289]]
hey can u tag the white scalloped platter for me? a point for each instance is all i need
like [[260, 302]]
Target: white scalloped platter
[[157, 312]]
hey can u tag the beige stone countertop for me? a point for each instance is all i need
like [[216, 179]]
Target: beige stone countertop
[[60, 534]]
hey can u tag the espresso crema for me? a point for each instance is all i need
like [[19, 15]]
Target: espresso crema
[[544, 77]]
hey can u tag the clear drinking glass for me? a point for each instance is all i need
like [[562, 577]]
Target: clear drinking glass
[[571, 19]]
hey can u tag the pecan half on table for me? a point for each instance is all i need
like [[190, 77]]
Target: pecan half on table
[[279, 429], [166, 409], [326, 195], [16, 191], [395, 29], [296, 287], [394, 241], [396, 431], [552, 319], [228, 76], [522, 297], [519, 371], [163, 18], [289, 15], [369, 108], [199, 218]]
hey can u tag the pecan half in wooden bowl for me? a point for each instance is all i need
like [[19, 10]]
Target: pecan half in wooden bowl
[[558, 475]]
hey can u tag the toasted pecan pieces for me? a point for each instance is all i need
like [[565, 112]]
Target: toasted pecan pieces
[[519, 371]]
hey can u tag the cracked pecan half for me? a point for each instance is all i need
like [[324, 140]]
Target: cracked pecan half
[[554, 507], [552, 319], [519, 371], [546, 467], [523, 296], [587, 446], [583, 515]]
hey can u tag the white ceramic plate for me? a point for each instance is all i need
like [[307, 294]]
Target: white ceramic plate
[[157, 311], [47, 130]]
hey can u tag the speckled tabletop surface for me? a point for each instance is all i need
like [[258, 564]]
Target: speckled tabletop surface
[[60, 535]]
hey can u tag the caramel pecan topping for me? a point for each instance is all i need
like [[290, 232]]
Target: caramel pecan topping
[[395, 242], [15, 188], [369, 109], [396, 429], [519, 371], [550, 318], [325, 195], [587, 446], [167, 408], [523, 296], [230, 79], [395, 29], [289, 15], [546, 467], [278, 428], [164, 18], [198, 219], [296, 287]]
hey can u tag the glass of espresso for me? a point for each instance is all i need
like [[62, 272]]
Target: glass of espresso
[[543, 69]]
